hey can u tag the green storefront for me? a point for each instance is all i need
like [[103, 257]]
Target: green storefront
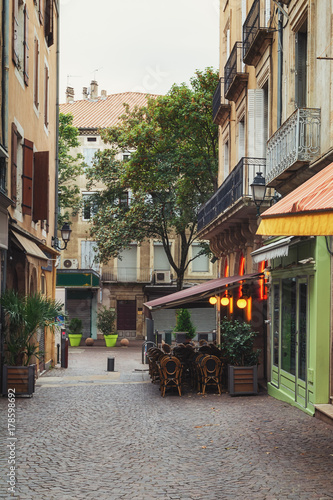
[[300, 309]]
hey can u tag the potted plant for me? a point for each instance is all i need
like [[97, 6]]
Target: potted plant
[[75, 332], [237, 345], [23, 317], [184, 324], [106, 319]]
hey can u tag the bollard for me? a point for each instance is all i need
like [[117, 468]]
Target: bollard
[[110, 364], [58, 354]]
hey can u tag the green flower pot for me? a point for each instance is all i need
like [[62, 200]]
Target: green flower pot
[[74, 339], [110, 340]]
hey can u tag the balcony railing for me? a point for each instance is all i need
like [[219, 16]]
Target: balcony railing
[[294, 144], [128, 275], [221, 107], [3, 171], [256, 35], [235, 78], [235, 187]]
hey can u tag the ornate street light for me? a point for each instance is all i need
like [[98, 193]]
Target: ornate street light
[[258, 187], [65, 236]]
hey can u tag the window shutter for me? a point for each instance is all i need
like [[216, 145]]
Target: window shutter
[[161, 261], [36, 73], [41, 186], [26, 47], [46, 97], [15, 33], [48, 23], [27, 177], [13, 182], [256, 123], [300, 69], [40, 12]]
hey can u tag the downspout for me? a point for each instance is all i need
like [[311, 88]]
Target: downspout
[[56, 206], [5, 71], [279, 71]]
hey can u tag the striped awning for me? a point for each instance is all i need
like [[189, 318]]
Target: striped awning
[[306, 211]]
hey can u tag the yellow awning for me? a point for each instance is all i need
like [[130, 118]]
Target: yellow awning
[[314, 224], [29, 247]]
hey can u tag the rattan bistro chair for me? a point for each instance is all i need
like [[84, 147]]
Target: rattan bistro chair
[[211, 373], [170, 369]]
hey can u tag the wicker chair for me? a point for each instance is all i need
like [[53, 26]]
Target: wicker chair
[[170, 370], [211, 373]]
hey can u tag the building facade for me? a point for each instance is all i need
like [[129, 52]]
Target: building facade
[[28, 151], [142, 271], [273, 108]]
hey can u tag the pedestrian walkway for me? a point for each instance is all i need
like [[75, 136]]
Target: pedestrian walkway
[[91, 434]]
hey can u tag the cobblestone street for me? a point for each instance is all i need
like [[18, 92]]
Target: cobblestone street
[[89, 433]]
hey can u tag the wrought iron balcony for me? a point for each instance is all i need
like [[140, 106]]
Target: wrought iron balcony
[[294, 144], [256, 36], [221, 107], [235, 187], [3, 173], [235, 78], [127, 275]]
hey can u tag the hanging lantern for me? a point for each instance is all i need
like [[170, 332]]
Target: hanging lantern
[[212, 300], [225, 300], [241, 303]]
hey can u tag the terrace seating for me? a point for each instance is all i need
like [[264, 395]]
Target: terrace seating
[[170, 371], [210, 371]]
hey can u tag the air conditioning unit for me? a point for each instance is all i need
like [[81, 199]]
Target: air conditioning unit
[[70, 264], [162, 277]]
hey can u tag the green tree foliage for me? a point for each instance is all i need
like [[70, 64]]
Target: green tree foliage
[[172, 170], [70, 167], [237, 343], [106, 321], [184, 323]]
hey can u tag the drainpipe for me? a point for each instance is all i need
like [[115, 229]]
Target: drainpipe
[[5, 71], [279, 71], [56, 207]]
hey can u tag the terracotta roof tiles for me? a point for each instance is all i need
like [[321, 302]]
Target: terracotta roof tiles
[[103, 112]]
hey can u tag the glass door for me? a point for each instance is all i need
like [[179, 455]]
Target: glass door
[[301, 342]]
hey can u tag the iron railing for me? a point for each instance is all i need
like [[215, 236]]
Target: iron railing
[[251, 26], [128, 275], [297, 140], [218, 98], [3, 172], [233, 66], [235, 186]]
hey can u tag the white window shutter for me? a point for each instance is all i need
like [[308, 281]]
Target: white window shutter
[[256, 145], [88, 254], [267, 12], [127, 266], [241, 140]]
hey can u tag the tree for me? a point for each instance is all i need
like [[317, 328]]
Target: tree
[[69, 199], [172, 170], [184, 323]]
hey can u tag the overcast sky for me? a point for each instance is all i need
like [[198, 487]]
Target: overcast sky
[[135, 45]]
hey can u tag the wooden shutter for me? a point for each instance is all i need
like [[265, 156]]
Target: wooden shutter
[[28, 156], [46, 96], [15, 56], [13, 174], [26, 47], [36, 72], [40, 12], [300, 69], [256, 123], [48, 22], [41, 186]]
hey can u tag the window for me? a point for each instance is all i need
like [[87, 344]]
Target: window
[[41, 187], [27, 177], [36, 72], [91, 139], [46, 96], [126, 156], [161, 262], [199, 264], [241, 139], [20, 46], [89, 154], [301, 43], [14, 163], [89, 255], [89, 207], [127, 264], [257, 124], [226, 159]]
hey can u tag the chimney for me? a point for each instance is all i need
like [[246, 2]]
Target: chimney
[[93, 89], [69, 94], [85, 93], [103, 94]]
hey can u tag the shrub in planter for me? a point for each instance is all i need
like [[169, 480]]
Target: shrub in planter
[[106, 323], [184, 323], [75, 332], [237, 346]]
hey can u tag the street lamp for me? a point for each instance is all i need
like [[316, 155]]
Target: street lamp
[[258, 190], [65, 236]]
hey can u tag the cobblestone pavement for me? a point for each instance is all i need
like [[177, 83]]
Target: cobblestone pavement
[[91, 434]]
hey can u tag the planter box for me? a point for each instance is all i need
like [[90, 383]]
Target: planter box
[[110, 340], [75, 339], [20, 378], [242, 380]]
